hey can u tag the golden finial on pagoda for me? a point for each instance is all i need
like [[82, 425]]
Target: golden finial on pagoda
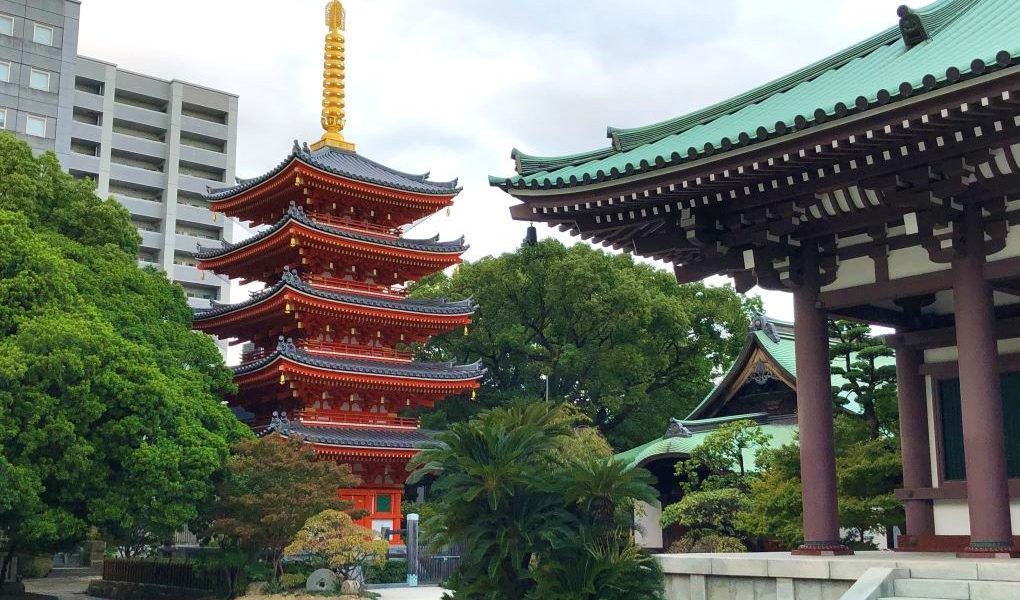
[[333, 81]]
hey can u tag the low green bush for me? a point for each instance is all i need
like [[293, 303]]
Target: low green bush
[[390, 571], [292, 581]]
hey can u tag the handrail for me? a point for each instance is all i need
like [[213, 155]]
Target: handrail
[[317, 347], [357, 419], [350, 223], [335, 283], [336, 349]]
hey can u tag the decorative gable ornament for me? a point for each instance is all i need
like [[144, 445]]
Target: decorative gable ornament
[[761, 373], [911, 27], [677, 429]]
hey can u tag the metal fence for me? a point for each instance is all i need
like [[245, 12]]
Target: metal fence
[[175, 573], [436, 563]]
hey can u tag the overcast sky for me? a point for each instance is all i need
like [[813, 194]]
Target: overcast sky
[[450, 86]]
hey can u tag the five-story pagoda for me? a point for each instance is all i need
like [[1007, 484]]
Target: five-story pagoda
[[327, 355]]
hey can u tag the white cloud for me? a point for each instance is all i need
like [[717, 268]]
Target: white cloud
[[451, 86]]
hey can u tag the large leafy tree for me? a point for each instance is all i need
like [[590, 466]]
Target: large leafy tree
[[109, 403], [619, 340], [272, 487], [531, 524]]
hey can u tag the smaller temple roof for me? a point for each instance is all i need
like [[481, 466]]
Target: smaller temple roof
[[351, 165], [682, 437], [361, 437], [448, 371], [297, 214], [290, 279]]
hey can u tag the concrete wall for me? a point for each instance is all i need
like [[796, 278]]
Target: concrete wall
[[766, 576]]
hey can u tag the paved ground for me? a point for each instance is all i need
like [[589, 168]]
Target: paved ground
[[419, 593], [65, 588]]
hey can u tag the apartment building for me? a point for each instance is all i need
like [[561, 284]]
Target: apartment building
[[152, 144]]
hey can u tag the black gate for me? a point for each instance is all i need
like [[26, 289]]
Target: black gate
[[436, 564]]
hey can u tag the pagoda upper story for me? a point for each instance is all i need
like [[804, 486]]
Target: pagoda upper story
[[338, 183]]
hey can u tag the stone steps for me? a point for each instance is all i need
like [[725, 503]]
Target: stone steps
[[956, 589]]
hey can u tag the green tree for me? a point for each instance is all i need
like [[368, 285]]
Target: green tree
[[531, 525], [271, 489], [621, 341], [868, 372], [867, 472], [109, 404], [339, 542], [716, 479]]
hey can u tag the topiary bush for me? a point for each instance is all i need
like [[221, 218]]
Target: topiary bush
[[693, 543], [391, 571], [292, 581]]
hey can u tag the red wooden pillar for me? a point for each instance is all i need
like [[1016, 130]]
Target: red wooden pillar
[[914, 439], [814, 419], [981, 399]]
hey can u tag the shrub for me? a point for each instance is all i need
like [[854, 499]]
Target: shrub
[[334, 537], [292, 581], [391, 571], [707, 543]]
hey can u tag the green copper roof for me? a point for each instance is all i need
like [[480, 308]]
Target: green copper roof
[[783, 353], [966, 38], [672, 446]]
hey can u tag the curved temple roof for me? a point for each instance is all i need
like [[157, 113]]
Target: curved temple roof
[[966, 38], [446, 371], [296, 213], [290, 279], [361, 437], [350, 165]]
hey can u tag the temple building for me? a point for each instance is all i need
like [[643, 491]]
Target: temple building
[[880, 184], [327, 353], [760, 386]]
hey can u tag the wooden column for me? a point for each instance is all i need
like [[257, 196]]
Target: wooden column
[[814, 418], [981, 398], [914, 439]]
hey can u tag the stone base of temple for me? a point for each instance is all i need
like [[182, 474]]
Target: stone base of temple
[[871, 574], [957, 544]]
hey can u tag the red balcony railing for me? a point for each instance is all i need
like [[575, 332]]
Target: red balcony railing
[[335, 348], [357, 419], [349, 223], [336, 284]]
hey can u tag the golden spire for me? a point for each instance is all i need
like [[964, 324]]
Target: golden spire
[[333, 81]]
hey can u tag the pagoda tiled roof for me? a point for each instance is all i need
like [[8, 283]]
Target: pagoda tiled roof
[[297, 214], [290, 279], [346, 164], [412, 370], [361, 437], [965, 39]]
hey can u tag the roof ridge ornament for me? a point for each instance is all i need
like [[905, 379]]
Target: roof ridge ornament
[[333, 101], [911, 27], [763, 324], [677, 429], [291, 276]]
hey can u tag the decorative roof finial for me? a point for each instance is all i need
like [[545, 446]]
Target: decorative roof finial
[[333, 103], [911, 27]]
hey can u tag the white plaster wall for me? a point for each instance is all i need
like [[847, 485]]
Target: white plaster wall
[[950, 354], [912, 261], [1012, 246], [952, 518], [852, 273], [648, 531]]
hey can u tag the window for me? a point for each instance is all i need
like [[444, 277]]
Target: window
[[39, 80], [5, 72], [3, 118], [383, 504], [42, 34], [6, 25], [35, 126]]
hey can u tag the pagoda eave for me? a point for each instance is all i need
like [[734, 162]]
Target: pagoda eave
[[363, 454], [285, 307], [281, 369], [296, 179], [291, 240]]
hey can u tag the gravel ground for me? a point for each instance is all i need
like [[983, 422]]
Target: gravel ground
[[65, 588]]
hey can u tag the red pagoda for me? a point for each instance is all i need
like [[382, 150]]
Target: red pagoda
[[327, 355]]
